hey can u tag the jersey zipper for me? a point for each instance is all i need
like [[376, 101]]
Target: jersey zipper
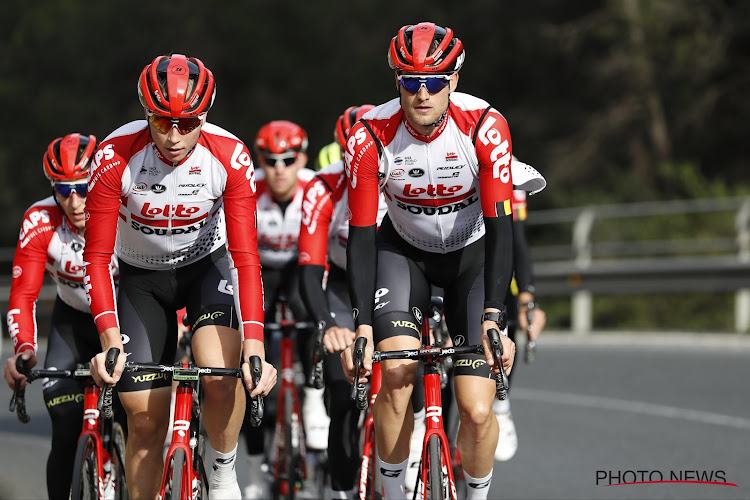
[[431, 180]]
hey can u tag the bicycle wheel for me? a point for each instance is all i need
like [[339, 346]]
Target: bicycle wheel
[[118, 461], [176, 468], [199, 464], [85, 472], [435, 476]]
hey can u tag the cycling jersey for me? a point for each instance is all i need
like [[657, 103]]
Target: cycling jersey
[[278, 229], [171, 215], [443, 192], [47, 240]]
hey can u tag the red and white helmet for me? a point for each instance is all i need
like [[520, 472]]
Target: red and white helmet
[[346, 121], [68, 158], [425, 48], [281, 136], [176, 86]]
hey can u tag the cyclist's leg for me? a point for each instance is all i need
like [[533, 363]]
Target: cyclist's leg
[[149, 334], [218, 343], [343, 440], [474, 387], [72, 339], [402, 292]]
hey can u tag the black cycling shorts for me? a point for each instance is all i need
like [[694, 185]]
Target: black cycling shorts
[[404, 282], [149, 300]]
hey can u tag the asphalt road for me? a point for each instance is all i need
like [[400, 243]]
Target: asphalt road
[[595, 416]]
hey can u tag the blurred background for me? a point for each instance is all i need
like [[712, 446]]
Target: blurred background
[[635, 112]]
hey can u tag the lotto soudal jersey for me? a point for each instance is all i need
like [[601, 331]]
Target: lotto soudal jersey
[[325, 218], [160, 215], [436, 188], [278, 229], [47, 241]]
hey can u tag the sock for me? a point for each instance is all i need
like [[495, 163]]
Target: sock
[[392, 476], [477, 489], [223, 468], [419, 416], [500, 406]]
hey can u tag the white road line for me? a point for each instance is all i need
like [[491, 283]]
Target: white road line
[[631, 406]]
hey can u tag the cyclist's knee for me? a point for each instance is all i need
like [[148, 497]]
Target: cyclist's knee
[[476, 414], [220, 388], [146, 428]]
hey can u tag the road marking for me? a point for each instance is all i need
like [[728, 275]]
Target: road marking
[[655, 410]]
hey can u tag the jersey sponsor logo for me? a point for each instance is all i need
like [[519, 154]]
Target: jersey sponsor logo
[[417, 313], [168, 210], [195, 170], [240, 157], [149, 377], [452, 176], [69, 282], [140, 186], [470, 363], [416, 172], [65, 398], [163, 231], [106, 153], [431, 190], [500, 156], [404, 324], [17, 271], [309, 204], [396, 173], [32, 222], [158, 188], [70, 268], [451, 167], [355, 139], [398, 160], [13, 324], [439, 210], [451, 156], [189, 185]]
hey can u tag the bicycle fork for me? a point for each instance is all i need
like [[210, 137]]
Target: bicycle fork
[[181, 436], [434, 427]]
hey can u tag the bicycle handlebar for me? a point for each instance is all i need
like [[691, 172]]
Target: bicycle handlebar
[[256, 403]]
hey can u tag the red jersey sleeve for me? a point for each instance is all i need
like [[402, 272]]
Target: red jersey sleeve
[[494, 151], [317, 212], [102, 210], [362, 162], [37, 229], [242, 241]]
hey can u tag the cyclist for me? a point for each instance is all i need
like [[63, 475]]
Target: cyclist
[[52, 236], [175, 196], [443, 161], [281, 151], [330, 153], [517, 304]]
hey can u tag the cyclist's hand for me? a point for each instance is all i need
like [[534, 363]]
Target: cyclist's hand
[[509, 349], [337, 339], [109, 338], [268, 373], [347, 355], [11, 374]]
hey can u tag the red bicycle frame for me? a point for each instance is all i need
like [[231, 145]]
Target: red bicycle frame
[[91, 416], [368, 440]]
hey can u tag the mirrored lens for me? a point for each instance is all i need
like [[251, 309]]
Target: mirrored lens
[[65, 190], [433, 84], [164, 123]]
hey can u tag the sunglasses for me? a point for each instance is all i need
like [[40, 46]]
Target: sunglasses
[[433, 84], [165, 123], [65, 190], [270, 160]]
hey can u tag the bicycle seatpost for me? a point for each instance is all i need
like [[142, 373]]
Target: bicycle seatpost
[[105, 397], [501, 379], [256, 411], [359, 390], [530, 351]]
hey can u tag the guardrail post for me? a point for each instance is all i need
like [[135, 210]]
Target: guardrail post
[[581, 313], [742, 296]]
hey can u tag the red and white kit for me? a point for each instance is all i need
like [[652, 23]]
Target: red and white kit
[[171, 215], [47, 241], [278, 229]]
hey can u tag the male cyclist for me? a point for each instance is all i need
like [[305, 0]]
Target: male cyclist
[[517, 304], [175, 197], [443, 161], [52, 237], [281, 152]]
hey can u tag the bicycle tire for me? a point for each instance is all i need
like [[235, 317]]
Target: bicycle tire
[[292, 452], [85, 471], [118, 462], [436, 469], [176, 468]]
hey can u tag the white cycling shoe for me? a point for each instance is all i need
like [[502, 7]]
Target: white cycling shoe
[[315, 419], [225, 492], [507, 442]]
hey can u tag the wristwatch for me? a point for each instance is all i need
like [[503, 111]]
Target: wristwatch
[[501, 318]]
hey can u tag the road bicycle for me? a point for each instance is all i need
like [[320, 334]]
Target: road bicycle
[[99, 467], [184, 476], [436, 471], [289, 455]]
